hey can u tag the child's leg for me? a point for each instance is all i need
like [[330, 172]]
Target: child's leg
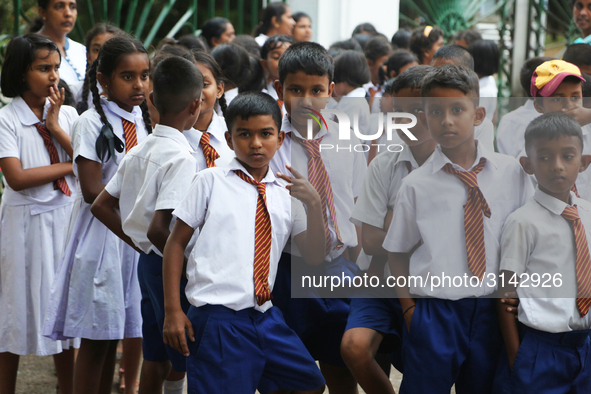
[[130, 362], [152, 376], [359, 348], [108, 368], [338, 379], [64, 368], [8, 371], [174, 382], [90, 364]]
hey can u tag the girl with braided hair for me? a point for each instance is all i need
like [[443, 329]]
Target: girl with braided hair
[[96, 295]]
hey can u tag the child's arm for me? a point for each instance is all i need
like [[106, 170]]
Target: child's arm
[[398, 263], [508, 322], [56, 98], [90, 174], [159, 229], [312, 242], [19, 179], [372, 237], [581, 114], [106, 209], [175, 320]]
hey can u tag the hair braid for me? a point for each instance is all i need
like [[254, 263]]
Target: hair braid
[[146, 116], [82, 105], [223, 104]]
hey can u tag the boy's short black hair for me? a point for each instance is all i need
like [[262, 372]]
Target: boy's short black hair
[[411, 78], [486, 57], [550, 126], [527, 71], [249, 104], [309, 57], [376, 48], [351, 67], [457, 53], [450, 76], [578, 54], [401, 39], [20, 55], [177, 83], [337, 47], [273, 43]]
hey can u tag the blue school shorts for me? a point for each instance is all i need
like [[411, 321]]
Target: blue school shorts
[[451, 342], [242, 351], [319, 322], [547, 363], [152, 287]]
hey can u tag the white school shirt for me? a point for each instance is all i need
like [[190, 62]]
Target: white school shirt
[[345, 169], [430, 208], [380, 186], [488, 94], [538, 240], [485, 134], [511, 130], [19, 138], [356, 103], [230, 95], [261, 38], [155, 175], [217, 130], [73, 67], [87, 129], [375, 107], [220, 270]]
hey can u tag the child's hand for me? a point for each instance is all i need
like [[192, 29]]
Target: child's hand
[[56, 98], [300, 188], [173, 331], [581, 114], [511, 301]]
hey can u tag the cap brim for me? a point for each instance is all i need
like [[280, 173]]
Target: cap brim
[[551, 86]]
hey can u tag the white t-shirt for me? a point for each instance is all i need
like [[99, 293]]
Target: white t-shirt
[[538, 240]]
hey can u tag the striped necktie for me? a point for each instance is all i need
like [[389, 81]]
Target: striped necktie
[[318, 177], [58, 184], [574, 190], [372, 95], [211, 155], [475, 207], [262, 241], [583, 262], [129, 133]]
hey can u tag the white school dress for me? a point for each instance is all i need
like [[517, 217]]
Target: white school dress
[[73, 67], [96, 294], [33, 225]]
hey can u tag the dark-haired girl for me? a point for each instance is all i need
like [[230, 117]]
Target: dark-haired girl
[[35, 157], [302, 31], [96, 296], [425, 41], [216, 31], [277, 19]]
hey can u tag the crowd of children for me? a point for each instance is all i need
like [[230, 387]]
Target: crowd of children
[[182, 197]]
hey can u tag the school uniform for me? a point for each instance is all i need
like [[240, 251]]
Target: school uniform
[[155, 175], [454, 335], [261, 38], [240, 345], [374, 92], [380, 186], [485, 134], [216, 130], [32, 231], [96, 294], [511, 130], [270, 90], [488, 95], [230, 95], [73, 67], [353, 103], [583, 182], [320, 322], [554, 350]]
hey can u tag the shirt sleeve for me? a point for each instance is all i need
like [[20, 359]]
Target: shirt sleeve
[[85, 132], [299, 219], [193, 207], [372, 203], [516, 245], [403, 233], [9, 146], [177, 176]]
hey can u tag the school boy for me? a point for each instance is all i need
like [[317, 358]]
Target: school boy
[[547, 351], [150, 182], [455, 202], [374, 324], [306, 80], [239, 341]]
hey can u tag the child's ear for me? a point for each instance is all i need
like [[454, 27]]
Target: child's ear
[[585, 161], [274, 22], [280, 139], [480, 114], [526, 164], [278, 89], [103, 80], [195, 106], [229, 139], [220, 91], [330, 89], [537, 106], [264, 65]]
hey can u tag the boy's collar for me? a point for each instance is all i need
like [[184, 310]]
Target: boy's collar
[[236, 165], [440, 159], [173, 134], [287, 127], [553, 204]]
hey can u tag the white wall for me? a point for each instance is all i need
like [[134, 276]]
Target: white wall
[[334, 20]]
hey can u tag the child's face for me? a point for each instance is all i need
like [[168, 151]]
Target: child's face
[[374, 66], [128, 84], [60, 15], [285, 24], [555, 164], [568, 95], [428, 55], [303, 30], [211, 90], [271, 63], [409, 100], [255, 140], [311, 91], [451, 117], [582, 14], [95, 46], [43, 73]]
